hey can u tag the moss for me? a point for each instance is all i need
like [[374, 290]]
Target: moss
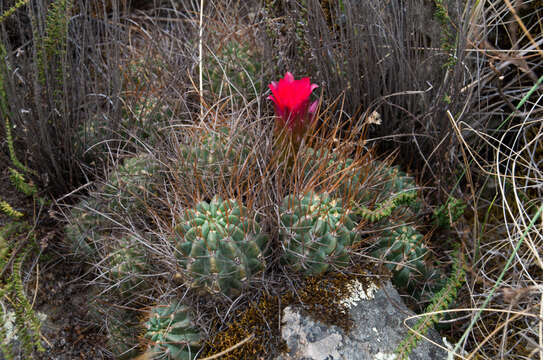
[[318, 296]]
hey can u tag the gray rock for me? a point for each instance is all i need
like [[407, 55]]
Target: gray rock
[[378, 315]]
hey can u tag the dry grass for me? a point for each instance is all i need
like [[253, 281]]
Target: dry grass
[[471, 129]]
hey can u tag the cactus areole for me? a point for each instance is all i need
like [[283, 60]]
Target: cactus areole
[[171, 333], [315, 233], [220, 246]]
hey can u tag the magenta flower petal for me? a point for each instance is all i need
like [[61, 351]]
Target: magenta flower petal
[[292, 105]]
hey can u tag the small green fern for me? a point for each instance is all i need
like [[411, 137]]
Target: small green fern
[[27, 324], [440, 301], [52, 46], [18, 180], [6, 208], [12, 10], [385, 208], [448, 213]]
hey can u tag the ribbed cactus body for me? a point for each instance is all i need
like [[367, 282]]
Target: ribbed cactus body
[[214, 156], [234, 70], [315, 231], [364, 183], [404, 248], [127, 265], [220, 246], [84, 228], [131, 185], [171, 333], [123, 330]]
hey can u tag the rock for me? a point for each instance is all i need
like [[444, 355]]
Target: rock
[[378, 315]]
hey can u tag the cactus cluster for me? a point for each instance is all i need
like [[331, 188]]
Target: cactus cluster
[[85, 228], [220, 245], [315, 232], [170, 333], [404, 249]]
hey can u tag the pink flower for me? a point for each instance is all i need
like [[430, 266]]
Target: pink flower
[[292, 106]]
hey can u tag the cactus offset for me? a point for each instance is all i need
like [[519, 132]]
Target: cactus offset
[[213, 156], [127, 263], [404, 248], [221, 246], [235, 70], [123, 331], [385, 186], [131, 185], [84, 227], [171, 334], [315, 231]]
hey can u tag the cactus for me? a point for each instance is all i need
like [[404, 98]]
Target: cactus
[[214, 156], [131, 185], [315, 231], [123, 331], [364, 183], [403, 247], [221, 246], [127, 264], [84, 227], [171, 333]]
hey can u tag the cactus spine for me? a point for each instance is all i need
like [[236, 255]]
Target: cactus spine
[[171, 333], [403, 247], [315, 231], [220, 246]]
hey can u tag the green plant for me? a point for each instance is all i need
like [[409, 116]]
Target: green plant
[[214, 156], [127, 264], [234, 69], [52, 46], [220, 245], [18, 180], [124, 328], [375, 189], [171, 333], [404, 249], [441, 301], [132, 185], [315, 231], [448, 213], [85, 227], [6, 208], [27, 325], [7, 13]]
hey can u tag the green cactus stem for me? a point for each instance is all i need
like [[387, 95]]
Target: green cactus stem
[[315, 231], [405, 251], [127, 265], [220, 246], [171, 333], [214, 156]]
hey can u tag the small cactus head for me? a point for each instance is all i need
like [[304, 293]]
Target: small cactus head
[[84, 228], [170, 333], [127, 265], [212, 156], [315, 232], [405, 251], [219, 245]]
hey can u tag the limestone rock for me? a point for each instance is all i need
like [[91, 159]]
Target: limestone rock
[[378, 315]]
